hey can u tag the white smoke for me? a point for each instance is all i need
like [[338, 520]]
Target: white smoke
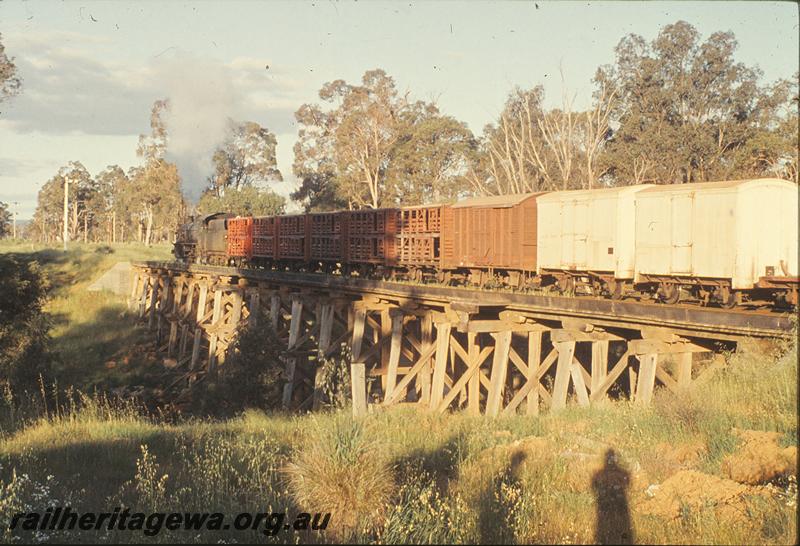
[[202, 101]]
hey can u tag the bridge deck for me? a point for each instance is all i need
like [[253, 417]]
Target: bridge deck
[[688, 320]]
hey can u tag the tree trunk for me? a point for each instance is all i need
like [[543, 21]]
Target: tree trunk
[[75, 227], [149, 232]]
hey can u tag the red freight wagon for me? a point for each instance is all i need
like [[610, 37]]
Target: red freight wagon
[[328, 236], [418, 240], [240, 237], [292, 239], [371, 237], [497, 233], [265, 238]]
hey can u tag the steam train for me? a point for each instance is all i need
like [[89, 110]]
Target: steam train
[[721, 243]]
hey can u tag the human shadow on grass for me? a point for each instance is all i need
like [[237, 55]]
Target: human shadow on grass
[[495, 517], [610, 487], [440, 462]]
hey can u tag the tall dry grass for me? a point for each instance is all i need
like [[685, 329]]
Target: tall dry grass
[[338, 470]]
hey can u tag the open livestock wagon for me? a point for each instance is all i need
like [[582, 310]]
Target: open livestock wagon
[[372, 240], [328, 239], [419, 239]]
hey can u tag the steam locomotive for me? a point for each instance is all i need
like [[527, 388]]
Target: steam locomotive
[[722, 243]]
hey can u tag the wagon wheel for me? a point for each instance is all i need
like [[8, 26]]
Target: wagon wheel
[[615, 289], [728, 298], [567, 286], [447, 278], [670, 293]]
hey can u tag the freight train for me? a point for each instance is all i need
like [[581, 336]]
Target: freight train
[[721, 243]]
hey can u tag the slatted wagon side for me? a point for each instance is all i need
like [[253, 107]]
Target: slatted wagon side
[[293, 238], [328, 232], [265, 240], [372, 237], [419, 236], [240, 238]]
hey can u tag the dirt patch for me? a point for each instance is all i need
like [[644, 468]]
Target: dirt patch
[[684, 454], [689, 492], [760, 459], [663, 460]]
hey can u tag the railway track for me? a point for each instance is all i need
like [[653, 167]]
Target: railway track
[[686, 320]]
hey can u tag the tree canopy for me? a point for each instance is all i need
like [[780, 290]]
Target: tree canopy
[[688, 112], [10, 82], [248, 200], [374, 147], [5, 219], [247, 156]]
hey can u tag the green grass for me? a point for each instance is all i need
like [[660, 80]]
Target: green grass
[[399, 475], [91, 328]]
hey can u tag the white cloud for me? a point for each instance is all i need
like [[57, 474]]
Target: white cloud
[[68, 86]]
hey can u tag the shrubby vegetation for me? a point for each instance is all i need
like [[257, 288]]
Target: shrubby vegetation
[[399, 475], [24, 326]]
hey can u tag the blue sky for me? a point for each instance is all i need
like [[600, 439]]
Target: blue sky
[[91, 70]]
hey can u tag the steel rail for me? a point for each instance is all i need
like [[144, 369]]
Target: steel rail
[[696, 321]]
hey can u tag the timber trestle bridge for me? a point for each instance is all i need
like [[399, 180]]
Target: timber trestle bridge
[[486, 352]]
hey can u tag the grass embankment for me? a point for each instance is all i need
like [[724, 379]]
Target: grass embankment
[[679, 471], [91, 330]]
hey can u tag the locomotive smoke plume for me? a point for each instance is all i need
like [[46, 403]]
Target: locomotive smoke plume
[[202, 102]]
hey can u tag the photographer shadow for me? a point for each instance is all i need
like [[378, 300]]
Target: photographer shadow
[[610, 486]]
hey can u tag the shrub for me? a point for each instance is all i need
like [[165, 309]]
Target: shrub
[[24, 327]]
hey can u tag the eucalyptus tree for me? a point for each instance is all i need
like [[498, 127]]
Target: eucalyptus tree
[[247, 156], [371, 146], [688, 111], [10, 82]]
